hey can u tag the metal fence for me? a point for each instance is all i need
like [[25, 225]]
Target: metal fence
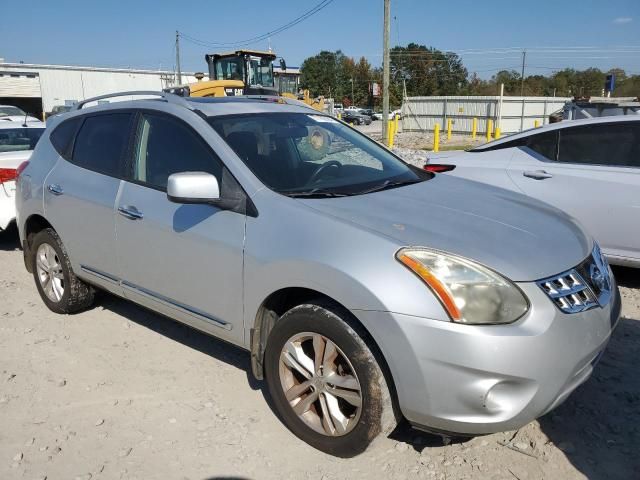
[[511, 115]]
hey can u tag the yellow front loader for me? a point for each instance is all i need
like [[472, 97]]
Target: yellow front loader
[[246, 72]]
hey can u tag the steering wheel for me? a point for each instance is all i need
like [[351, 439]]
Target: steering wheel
[[321, 169]]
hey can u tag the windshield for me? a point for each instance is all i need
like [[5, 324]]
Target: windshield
[[229, 68], [15, 139], [300, 154], [261, 71], [9, 110]]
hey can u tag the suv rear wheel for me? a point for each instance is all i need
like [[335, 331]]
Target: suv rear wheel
[[58, 286], [325, 382]]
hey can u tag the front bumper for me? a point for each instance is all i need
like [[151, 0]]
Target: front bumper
[[467, 379]]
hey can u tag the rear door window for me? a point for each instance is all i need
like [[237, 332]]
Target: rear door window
[[101, 143], [614, 144]]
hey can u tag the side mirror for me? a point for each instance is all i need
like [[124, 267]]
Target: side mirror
[[193, 187], [283, 65]]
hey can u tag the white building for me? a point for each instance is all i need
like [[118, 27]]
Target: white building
[[38, 88]]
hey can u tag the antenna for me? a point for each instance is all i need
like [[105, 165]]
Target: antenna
[[24, 124]]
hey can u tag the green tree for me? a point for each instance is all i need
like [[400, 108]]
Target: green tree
[[427, 71]]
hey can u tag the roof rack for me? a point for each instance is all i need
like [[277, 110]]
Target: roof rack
[[167, 97]]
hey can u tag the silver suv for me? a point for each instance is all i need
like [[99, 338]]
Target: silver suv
[[365, 289]]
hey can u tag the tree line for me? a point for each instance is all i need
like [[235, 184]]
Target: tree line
[[426, 71]]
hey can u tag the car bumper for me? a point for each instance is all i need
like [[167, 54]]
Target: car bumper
[[471, 380], [7, 204]]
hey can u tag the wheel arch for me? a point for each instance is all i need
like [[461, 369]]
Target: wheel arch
[[34, 224], [282, 300]]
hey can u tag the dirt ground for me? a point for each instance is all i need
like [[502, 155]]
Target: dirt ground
[[118, 392]]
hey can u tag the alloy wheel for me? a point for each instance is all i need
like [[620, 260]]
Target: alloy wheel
[[320, 384], [50, 273]]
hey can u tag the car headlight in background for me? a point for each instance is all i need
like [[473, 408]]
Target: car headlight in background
[[469, 292]]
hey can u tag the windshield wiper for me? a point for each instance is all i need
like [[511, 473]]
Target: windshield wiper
[[315, 193], [387, 184]]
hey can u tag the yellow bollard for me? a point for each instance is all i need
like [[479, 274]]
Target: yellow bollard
[[339, 116], [474, 128], [390, 133], [489, 128], [436, 138], [497, 133], [396, 118], [449, 129], [536, 124]]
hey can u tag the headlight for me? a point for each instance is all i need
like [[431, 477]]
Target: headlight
[[469, 292]]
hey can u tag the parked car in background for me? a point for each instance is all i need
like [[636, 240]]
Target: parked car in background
[[352, 108], [58, 109], [588, 168], [17, 142], [356, 118], [368, 112], [9, 113], [317, 256], [392, 114]]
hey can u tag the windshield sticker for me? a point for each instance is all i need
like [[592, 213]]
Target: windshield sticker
[[322, 119]]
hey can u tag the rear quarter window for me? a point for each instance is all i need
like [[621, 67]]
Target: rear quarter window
[[63, 135]]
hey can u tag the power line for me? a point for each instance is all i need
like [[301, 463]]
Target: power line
[[318, 7]]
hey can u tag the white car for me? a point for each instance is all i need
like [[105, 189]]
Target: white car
[[17, 141], [9, 113], [588, 168]]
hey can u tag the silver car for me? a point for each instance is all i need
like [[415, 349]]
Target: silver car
[[588, 168], [366, 290]]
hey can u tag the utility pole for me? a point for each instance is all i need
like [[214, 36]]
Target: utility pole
[[385, 69], [178, 72], [353, 100], [524, 56]]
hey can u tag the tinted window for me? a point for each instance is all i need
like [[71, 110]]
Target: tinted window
[[616, 144], [16, 139], [62, 136], [101, 143], [166, 146], [546, 144]]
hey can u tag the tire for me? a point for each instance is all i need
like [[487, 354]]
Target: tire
[[353, 428], [64, 292]]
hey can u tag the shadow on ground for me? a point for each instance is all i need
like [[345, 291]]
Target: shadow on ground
[[598, 427], [9, 238], [181, 333]]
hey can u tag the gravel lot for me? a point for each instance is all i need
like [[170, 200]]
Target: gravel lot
[[118, 392]]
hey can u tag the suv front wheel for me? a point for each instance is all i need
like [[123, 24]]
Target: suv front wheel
[[324, 381], [58, 286]]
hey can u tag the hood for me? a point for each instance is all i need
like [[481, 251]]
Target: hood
[[520, 237], [18, 119]]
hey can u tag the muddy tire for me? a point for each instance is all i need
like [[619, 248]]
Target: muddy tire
[[324, 381], [58, 286]]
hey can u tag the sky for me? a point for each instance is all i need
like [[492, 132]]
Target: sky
[[490, 36]]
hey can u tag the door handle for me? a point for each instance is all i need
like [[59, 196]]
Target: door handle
[[537, 174], [55, 189], [130, 212]]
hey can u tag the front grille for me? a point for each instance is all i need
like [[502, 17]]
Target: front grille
[[584, 287]]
